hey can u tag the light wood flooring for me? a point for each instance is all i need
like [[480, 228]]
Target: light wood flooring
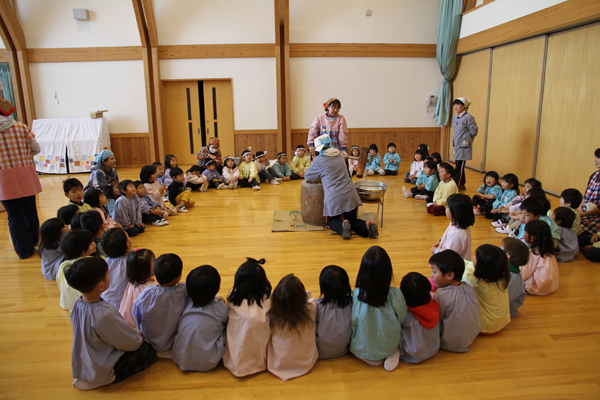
[[550, 350]]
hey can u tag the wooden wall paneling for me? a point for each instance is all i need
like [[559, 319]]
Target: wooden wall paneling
[[471, 81], [85, 54], [131, 149], [259, 140], [3, 55], [514, 107], [241, 50], [362, 50], [570, 111], [552, 19]]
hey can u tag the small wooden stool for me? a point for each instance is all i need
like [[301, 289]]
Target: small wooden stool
[[311, 203]]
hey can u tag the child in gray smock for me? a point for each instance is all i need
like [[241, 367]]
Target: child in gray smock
[[334, 313], [459, 308], [49, 249], [158, 308], [568, 245], [117, 246], [200, 341], [420, 335], [517, 253], [105, 348]]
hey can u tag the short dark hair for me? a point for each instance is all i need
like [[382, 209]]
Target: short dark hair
[[449, 261], [492, 265], [168, 159], [114, 242], [537, 191], [196, 168], [493, 174], [447, 167], [92, 221], [430, 164], [156, 164], [564, 216], [461, 208], [572, 196], [250, 283], [424, 148], [597, 152], [66, 213], [108, 189], [71, 183], [533, 204], [175, 172], [534, 183], [373, 146], [92, 197], [76, 222], [50, 233], [437, 156], [167, 267], [415, 289], [374, 277], [202, 284], [391, 144], [542, 244], [74, 243], [86, 273], [146, 172], [334, 103], [421, 152], [517, 250], [123, 185], [544, 200], [139, 266], [137, 184], [335, 286], [457, 101], [289, 305], [512, 180]]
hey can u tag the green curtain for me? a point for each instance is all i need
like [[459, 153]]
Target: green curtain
[[447, 42], [7, 86]]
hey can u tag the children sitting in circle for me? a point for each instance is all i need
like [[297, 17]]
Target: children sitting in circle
[[427, 183], [151, 211], [128, 211], [488, 193], [98, 201], [445, 188], [213, 177], [541, 272], [231, 173], [140, 272], [510, 190], [265, 172], [178, 196], [457, 236], [415, 168], [374, 161], [391, 160], [300, 162], [149, 177]]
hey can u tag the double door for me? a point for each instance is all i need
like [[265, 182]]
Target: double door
[[195, 112]]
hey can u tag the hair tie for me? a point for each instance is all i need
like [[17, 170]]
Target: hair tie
[[261, 261], [137, 249]]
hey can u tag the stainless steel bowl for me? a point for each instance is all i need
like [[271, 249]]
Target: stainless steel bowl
[[371, 190]]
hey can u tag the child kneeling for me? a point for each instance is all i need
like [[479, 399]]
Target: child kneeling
[[105, 348]]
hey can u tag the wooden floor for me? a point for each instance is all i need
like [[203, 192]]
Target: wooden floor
[[551, 350]]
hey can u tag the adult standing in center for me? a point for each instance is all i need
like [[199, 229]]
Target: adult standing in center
[[332, 124], [465, 129]]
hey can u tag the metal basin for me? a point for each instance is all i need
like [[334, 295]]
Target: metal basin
[[371, 190]]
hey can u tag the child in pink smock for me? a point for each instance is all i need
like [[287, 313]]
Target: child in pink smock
[[140, 270], [541, 272], [457, 236], [248, 330], [353, 164], [97, 200], [292, 350]]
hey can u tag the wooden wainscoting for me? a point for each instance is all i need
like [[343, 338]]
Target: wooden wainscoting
[[406, 139], [131, 149], [259, 140]]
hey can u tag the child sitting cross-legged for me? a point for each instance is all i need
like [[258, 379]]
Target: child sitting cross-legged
[[282, 169], [117, 245], [149, 175], [427, 182], [248, 172], [510, 190], [75, 244], [488, 193], [213, 177], [231, 173], [300, 162], [334, 313], [416, 167], [391, 160], [178, 196], [105, 349], [457, 236], [195, 180], [420, 337], [140, 272], [568, 246], [518, 256], [151, 210], [459, 308], [158, 308], [128, 211], [374, 161], [49, 251], [445, 188], [203, 323], [541, 272]]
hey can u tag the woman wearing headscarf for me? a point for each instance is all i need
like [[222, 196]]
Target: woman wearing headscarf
[[465, 129], [19, 182], [341, 200], [103, 172], [211, 152], [332, 124]]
